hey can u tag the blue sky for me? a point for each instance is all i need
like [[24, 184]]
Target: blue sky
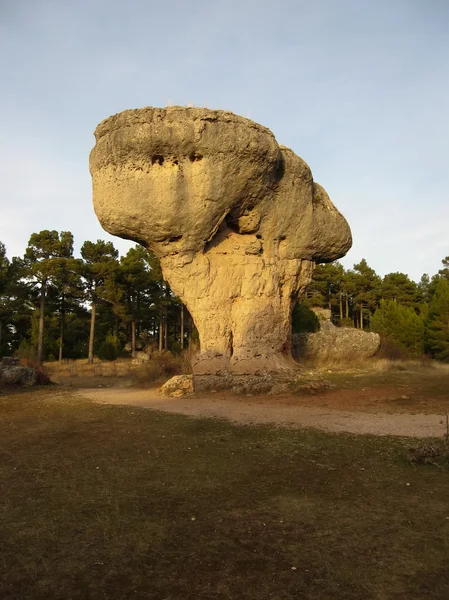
[[359, 89]]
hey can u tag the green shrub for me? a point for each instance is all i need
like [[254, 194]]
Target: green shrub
[[304, 320], [110, 349], [401, 326], [26, 351]]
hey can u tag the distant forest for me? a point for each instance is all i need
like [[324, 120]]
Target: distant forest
[[55, 306]]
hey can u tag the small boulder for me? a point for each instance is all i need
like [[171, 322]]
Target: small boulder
[[179, 385], [13, 373]]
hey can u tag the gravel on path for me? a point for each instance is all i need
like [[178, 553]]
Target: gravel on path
[[283, 411]]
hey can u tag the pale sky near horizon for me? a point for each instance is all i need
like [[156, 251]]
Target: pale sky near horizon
[[359, 89]]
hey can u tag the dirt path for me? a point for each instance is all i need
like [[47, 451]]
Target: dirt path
[[285, 411]]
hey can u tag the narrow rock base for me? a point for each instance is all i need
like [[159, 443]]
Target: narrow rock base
[[260, 383]]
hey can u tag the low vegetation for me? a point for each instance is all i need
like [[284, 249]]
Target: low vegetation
[[111, 502]]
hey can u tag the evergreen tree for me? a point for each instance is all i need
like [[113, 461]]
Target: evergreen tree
[[444, 272], [99, 269], [366, 286], [328, 289], [399, 287], [137, 280], [424, 289], [401, 325], [4, 271], [437, 331], [40, 259], [68, 290]]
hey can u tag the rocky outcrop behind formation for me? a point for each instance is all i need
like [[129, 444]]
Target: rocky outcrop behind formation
[[13, 373], [335, 344]]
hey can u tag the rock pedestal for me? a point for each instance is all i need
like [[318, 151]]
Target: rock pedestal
[[236, 220]]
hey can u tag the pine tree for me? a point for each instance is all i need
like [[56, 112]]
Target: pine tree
[[401, 325], [67, 285], [444, 272], [327, 289], [40, 259], [137, 281], [437, 331], [366, 285], [424, 290], [99, 269], [4, 271], [399, 287]]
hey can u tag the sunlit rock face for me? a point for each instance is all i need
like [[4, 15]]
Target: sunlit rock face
[[236, 220]]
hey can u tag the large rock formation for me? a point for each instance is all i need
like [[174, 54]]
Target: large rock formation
[[236, 220], [333, 344]]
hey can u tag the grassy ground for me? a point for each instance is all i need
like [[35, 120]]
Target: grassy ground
[[412, 386], [112, 502]]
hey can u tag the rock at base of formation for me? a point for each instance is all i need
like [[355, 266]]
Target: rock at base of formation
[[13, 373], [179, 385], [258, 383], [236, 220], [335, 344]]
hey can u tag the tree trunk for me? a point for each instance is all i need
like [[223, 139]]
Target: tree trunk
[[61, 335], [166, 329], [361, 316], [92, 334], [347, 306], [139, 320], [1, 331], [133, 338], [341, 306], [161, 331], [182, 327], [40, 342]]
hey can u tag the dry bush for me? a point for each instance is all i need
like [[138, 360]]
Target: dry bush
[[161, 366], [377, 364], [391, 350], [348, 364], [42, 377], [435, 452], [429, 453], [187, 358]]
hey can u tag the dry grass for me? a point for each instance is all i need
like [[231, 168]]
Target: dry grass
[[79, 373], [161, 367], [379, 365], [42, 375], [187, 358], [119, 503]]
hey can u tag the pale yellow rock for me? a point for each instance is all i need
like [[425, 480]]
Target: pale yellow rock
[[179, 385], [236, 220]]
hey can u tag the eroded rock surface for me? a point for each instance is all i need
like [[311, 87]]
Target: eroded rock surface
[[236, 220], [179, 385], [335, 344], [13, 373]]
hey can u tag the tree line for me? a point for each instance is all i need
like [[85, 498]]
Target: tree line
[[55, 306], [412, 316]]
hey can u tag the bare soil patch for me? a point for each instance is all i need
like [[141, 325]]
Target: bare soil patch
[[410, 403]]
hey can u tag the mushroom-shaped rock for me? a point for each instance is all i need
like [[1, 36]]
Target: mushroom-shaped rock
[[235, 219]]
